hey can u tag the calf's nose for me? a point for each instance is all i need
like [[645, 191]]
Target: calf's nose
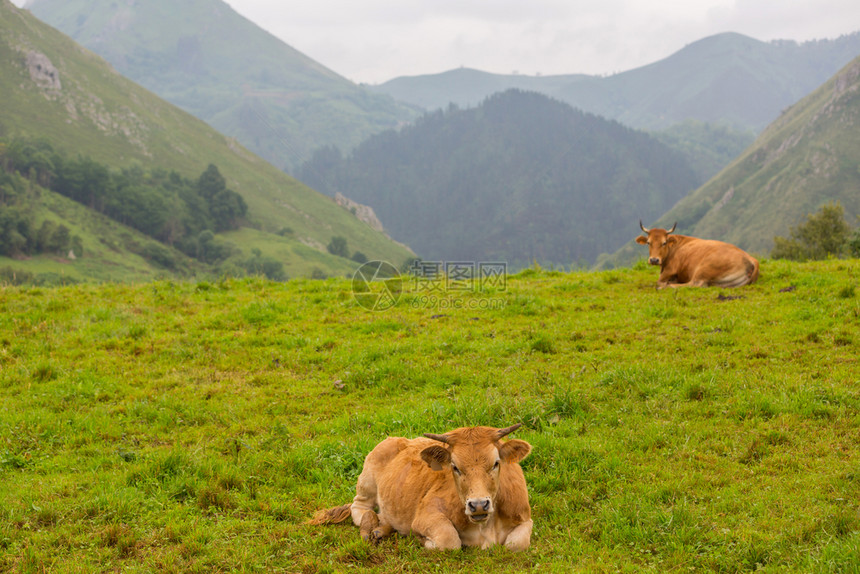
[[654, 261], [478, 505]]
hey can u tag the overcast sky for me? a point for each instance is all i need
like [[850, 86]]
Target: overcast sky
[[375, 40]]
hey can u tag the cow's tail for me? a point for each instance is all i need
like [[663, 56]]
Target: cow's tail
[[332, 515], [753, 274]]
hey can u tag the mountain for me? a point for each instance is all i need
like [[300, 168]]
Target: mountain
[[727, 78], [804, 159], [208, 60], [519, 178], [55, 93], [467, 87]]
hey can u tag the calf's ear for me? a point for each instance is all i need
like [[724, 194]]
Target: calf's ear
[[514, 450], [436, 456], [671, 239], [641, 240]]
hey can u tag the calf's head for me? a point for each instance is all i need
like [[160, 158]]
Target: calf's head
[[659, 241], [475, 457]]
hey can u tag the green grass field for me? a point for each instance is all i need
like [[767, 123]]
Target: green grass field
[[194, 427]]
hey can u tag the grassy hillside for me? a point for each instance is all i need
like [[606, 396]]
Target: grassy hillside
[[93, 111], [520, 178], [194, 427], [806, 158], [207, 59], [727, 78]]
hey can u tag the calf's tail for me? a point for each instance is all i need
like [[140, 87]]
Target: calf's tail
[[332, 515]]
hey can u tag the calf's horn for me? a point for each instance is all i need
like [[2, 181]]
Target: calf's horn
[[439, 437], [504, 432], [642, 227], [673, 228]]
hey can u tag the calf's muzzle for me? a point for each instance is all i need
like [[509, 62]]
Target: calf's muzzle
[[478, 509]]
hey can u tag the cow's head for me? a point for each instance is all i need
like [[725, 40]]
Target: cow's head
[[658, 241], [475, 457]]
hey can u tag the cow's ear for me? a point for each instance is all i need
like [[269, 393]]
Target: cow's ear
[[641, 240], [671, 239], [514, 450], [436, 456]]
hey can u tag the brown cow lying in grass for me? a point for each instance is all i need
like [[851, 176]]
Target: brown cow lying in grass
[[690, 261], [462, 488]]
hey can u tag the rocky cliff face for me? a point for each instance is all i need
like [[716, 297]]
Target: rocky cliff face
[[364, 213]]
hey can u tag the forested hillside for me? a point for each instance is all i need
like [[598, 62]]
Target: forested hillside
[[210, 61], [803, 160], [173, 210], [519, 178]]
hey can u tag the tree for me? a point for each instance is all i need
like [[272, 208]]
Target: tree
[[16, 232], [854, 243], [211, 182], [225, 206], [820, 235], [338, 246], [60, 240], [45, 235]]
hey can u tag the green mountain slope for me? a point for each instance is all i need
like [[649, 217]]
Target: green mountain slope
[[207, 59], [104, 250], [727, 78], [520, 177], [806, 158], [52, 88]]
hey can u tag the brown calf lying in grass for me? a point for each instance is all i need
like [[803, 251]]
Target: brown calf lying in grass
[[462, 488]]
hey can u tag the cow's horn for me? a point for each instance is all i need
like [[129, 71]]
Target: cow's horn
[[673, 228], [642, 227], [504, 432], [439, 437]]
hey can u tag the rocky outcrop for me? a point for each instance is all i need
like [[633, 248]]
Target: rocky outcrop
[[42, 71], [364, 213]]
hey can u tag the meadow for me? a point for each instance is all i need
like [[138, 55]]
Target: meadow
[[195, 427]]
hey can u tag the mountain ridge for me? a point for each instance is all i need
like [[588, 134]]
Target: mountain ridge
[[210, 60], [681, 86]]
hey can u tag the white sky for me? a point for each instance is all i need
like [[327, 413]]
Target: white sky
[[375, 40]]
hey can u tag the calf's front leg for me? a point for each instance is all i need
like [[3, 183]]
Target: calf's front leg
[[520, 537], [437, 531]]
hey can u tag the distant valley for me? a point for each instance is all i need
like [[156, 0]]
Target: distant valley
[[553, 170], [520, 178]]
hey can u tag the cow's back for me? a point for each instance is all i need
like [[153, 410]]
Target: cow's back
[[712, 262]]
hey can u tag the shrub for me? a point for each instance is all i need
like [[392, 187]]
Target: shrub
[[821, 235], [338, 246]]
